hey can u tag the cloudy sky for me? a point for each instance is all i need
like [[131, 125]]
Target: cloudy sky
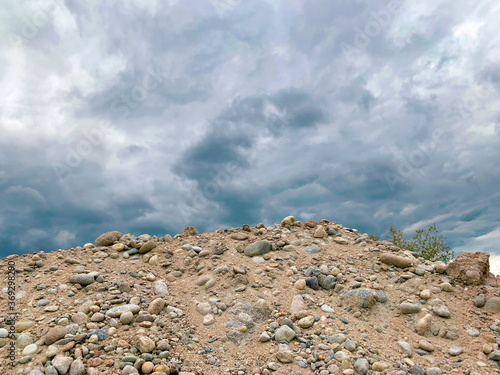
[[146, 116]]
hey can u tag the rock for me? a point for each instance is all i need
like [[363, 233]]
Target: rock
[[470, 268], [144, 344], [298, 304], [79, 318], [147, 247], [129, 370], [433, 371], [442, 311], [480, 300], [3, 333], [360, 298], [115, 312], [118, 247], [341, 240], [327, 282], [156, 306], [30, 349], [62, 364], [300, 284], [257, 248], [494, 356], [284, 333], [77, 368], [426, 294], [423, 324], [126, 317], [239, 236], [23, 325], [107, 239], [289, 220], [312, 249], [189, 231], [312, 282], [204, 308], [147, 367], [83, 279], [396, 260], [161, 288], [54, 334], [410, 308], [208, 319], [416, 370], [306, 322], [406, 348], [378, 366], [492, 305], [320, 232], [456, 350], [361, 366], [310, 224]]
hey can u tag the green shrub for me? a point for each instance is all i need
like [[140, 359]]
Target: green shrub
[[425, 242]]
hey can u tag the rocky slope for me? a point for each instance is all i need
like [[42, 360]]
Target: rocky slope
[[293, 298]]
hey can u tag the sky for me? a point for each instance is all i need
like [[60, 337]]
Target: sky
[[148, 116]]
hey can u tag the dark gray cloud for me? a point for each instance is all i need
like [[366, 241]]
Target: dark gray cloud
[[149, 116]]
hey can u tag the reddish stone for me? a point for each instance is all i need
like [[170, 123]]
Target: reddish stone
[[470, 268]]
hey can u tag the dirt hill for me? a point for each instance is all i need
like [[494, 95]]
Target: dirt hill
[[294, 298]]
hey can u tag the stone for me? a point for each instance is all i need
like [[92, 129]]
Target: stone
[[423, 324], [204, 308], [456, 350], [433, 371], [129, 370], [208, 319], [161, 288], [327, 282], [410, 308], [30, 349], [312, 249], [77, 367], [115, 312], [480, 300], [298, 304], [310, 223], [156, 306], [361, 366], [147, 367], [416, 370], [492, 305], [406, 348], [23, 325], [83, 279], [79, 318], [289, 220], [54, 334], [144, 344], [285, 356], [108, 238], [300, 284], [442, 311], [126, 317], [257, 248], [148, 246], [312, 282], [426, 294], [396, 260], [284, 333], [189, 231], [320, 232], [378, 366], [118, 247], [470, 268], [62, 364], [306, 322], [360, 298], [494, 356]]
